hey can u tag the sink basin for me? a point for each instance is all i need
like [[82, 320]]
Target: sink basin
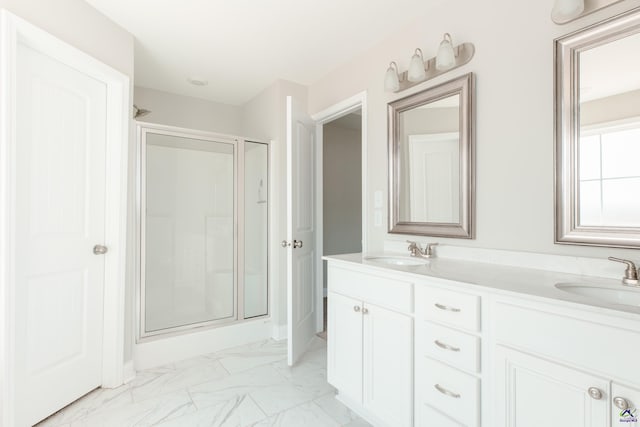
[[397, 260], [620, 295]]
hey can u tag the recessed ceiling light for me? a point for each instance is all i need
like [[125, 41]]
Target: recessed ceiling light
[[196, 81]]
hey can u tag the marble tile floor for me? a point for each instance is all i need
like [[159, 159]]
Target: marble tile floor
[[245, 386]]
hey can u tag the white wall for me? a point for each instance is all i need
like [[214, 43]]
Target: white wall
[[188, 112], [514, 114], [612, 108]]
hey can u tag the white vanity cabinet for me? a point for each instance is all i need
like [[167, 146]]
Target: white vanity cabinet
[[370, 344], [559, 367]]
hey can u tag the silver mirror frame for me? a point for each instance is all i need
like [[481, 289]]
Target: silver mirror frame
[[465, 229], [566, 122]]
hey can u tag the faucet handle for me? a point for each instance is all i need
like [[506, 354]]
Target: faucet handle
[[429, 251], [630, 273], [414, 248]]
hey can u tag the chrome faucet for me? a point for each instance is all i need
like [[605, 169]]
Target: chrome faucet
[[416, 251], [630, 274]]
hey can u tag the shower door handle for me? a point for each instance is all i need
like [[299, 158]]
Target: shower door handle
[[297, 244]]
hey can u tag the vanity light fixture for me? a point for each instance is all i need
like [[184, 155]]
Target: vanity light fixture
[[391, 80], [565, 11], [420, 70], [446, 57], [416, 72]]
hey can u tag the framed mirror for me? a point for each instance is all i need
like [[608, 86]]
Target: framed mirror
[[597, 134], [431, 161]]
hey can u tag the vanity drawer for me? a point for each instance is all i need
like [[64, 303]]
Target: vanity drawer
[[448, 345], [450, 307], [427, 416], [453, 392], [380, 290]]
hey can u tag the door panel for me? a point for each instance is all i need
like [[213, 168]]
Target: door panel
[[301, 227], [387, 365], [534, 392], [60, 202], [630, 416]]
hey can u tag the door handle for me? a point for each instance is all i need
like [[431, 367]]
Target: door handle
[[285, 244], [100, 249], [297, 244]]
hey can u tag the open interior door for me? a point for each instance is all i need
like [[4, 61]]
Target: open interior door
[[301, 229]]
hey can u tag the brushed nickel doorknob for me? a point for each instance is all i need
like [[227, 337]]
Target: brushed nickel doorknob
[[100, 249]]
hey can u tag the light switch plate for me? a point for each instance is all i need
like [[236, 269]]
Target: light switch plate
[[377, 199], [377, 218]]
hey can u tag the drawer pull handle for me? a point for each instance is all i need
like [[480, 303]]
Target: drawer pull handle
[[446, 346], [446, 392], [447, 308]]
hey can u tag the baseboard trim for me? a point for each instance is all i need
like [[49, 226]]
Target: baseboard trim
[[129, 371]]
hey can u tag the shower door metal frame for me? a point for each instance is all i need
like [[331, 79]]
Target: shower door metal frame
[[144, 128]]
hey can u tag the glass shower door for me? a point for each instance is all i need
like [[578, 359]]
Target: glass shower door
[[188, 232]]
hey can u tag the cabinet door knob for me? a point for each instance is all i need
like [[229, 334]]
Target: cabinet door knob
[[356, 308], [595, 393], [297, 244], [365, 311], [447, 308], [621, 402]]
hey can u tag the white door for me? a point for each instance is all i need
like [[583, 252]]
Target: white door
[[434, 177], [59, 217], [534, 392], [301, 227]]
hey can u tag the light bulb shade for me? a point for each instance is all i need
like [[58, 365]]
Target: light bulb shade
[[566, 10], [391, 81], [416, 71], [446, 57]]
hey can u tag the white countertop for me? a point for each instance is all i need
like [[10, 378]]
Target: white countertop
[[514, 281]]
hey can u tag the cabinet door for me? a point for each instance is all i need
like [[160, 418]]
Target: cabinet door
[[344, 346], [388, 365], [535, 392], [625, 407]]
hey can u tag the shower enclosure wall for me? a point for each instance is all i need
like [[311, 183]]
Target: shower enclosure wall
[[203, 229]]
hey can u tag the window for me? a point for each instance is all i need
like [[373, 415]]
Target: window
[[609, 175]]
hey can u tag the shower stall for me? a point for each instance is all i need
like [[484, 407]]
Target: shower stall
[[203, 205]]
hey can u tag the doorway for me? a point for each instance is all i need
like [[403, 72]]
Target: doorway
[[342, 196], [341, 191]]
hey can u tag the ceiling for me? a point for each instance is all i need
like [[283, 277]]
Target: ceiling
[[618, 58], [242, 46]]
